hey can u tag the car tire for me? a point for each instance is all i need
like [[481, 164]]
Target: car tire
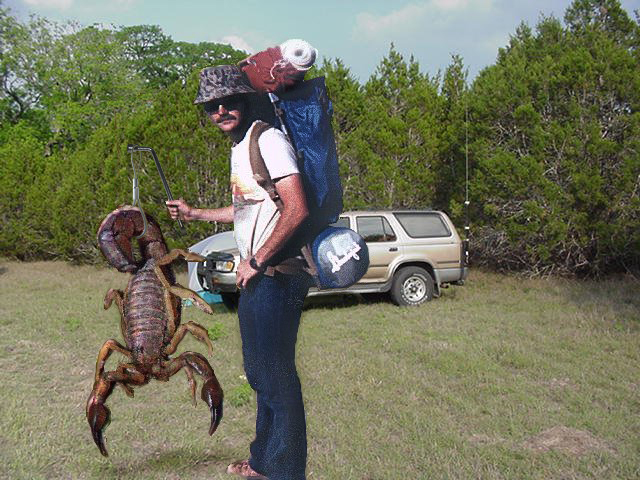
[[412, 286], [230, 300]]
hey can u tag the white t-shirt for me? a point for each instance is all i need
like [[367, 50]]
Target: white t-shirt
[[254, 213]]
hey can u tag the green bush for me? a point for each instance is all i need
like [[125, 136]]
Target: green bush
[[239, 396]]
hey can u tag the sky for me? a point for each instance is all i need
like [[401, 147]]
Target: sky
[[359, 32]]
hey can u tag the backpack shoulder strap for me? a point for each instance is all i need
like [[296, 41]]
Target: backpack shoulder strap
[[258, 167]]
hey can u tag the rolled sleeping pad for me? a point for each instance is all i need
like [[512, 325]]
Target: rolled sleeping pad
[[298, 53]]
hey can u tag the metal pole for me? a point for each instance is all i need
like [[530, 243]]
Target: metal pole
[[136, 148]]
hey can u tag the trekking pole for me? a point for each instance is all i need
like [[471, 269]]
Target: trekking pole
[[278, 111], [136, 197], [136, 148]]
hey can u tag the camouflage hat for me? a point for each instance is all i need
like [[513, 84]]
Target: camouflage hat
[[221, 81]]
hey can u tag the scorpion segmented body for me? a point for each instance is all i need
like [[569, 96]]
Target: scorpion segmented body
[[150, 309], [145, 309]]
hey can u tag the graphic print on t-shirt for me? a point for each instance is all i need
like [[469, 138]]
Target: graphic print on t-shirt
[[245, 191]]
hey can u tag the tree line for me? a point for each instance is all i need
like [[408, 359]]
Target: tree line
[[550, 134]]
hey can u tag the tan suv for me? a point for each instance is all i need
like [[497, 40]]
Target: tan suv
[[412, 254]]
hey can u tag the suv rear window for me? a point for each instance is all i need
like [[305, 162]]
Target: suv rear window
[[423, 225]]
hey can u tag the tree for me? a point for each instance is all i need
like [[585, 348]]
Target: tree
[[394, 146], [451, 168], [161, 61], [89, 81], [23, 53], [555, 137]]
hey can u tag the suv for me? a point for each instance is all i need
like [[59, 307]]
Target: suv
[[412, 254]]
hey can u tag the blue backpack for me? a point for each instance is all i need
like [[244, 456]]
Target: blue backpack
[[337, 257], [304, 115]]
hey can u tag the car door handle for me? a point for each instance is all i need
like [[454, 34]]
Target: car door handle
[[393, 249]]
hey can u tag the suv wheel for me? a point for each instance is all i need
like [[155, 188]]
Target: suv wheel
[[412, 286]]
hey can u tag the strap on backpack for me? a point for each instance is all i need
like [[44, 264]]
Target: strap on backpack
[[258, 167], [262, 176]]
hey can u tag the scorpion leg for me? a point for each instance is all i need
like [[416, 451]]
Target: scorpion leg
[[192, 383], [127, 389], [178, 252], [98, 414], [184, 292], [118, 296], [112, 295], [105, 352], [196, 330], [178, 289], [211, 390], [173, 312]]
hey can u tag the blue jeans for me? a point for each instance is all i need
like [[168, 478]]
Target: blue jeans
[[269, 311]]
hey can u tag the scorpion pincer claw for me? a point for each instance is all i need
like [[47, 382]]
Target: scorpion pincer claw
[[212, 394], [99, 417], [216, 416]]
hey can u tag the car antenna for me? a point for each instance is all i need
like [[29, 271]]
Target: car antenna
[[466, 183]]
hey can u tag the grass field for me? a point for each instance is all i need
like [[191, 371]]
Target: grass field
[[504, 378]]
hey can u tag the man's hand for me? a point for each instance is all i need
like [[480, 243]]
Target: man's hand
[[180, 209], [244, 274]]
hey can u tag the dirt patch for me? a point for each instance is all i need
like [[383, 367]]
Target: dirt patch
[[481, 439], [559, 383], [440, 345], [567, 440]]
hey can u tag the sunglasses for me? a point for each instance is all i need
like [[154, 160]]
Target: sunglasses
[[229, 104]]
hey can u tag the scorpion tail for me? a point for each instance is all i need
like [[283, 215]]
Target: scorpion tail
[[115, 236]]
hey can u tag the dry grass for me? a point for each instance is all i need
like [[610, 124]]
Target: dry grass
[[503, 378]]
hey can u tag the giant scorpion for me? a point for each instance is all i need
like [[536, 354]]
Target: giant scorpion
[[150, 310]]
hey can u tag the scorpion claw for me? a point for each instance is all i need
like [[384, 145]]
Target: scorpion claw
[[216, 416], [99, 416], [212, 394]]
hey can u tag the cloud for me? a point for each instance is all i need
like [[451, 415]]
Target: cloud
[[408, 18], [370, 24], [57, 4], [126, 4], [92, 6], [461, 4], [237, 42]]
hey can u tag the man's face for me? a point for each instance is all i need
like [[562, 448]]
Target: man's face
[[226, 113]]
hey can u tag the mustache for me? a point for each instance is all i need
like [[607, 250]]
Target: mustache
[[226, 116]]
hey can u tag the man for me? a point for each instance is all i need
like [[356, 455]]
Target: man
[[270, 305]]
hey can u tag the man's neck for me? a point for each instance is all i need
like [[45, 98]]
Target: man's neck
[[237, 134]]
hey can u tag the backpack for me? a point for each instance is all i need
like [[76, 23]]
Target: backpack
[[336, 257]]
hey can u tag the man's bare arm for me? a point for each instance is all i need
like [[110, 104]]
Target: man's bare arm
[[294, 211], [180, 209]]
